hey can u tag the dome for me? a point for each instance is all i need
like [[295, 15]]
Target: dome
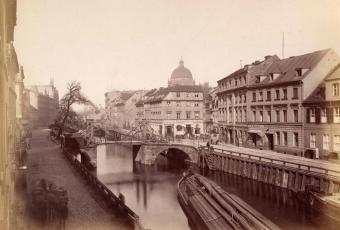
[[181, 76]]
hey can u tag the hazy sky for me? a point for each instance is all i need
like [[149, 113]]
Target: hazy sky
[[135, 44]]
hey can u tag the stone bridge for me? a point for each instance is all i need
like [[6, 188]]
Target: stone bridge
[[148, 152]]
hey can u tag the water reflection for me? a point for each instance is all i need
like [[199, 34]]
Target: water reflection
[[277, 204], [150, 191]]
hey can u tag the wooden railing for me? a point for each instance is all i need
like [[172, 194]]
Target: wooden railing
[[265, 159], [109, 196]]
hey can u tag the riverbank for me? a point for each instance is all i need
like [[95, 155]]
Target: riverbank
[[86, 209]]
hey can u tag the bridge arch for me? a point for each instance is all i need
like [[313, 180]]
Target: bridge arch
[[148, 153]]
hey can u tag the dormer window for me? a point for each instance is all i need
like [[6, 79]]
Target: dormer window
[[273, 76], [300, 72], [260, 78]]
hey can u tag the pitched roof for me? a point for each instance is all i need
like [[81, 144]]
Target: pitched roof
[[125, 96], [334, 74], [318, 95], [185, 88], [286, 68], [157, 95]]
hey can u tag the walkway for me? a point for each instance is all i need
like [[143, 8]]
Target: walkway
[[269, 154], [86, 210]]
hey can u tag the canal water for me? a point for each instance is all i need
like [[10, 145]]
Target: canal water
[[151, 192]]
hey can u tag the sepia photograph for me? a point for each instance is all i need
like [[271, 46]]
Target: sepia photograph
[[169, 115]]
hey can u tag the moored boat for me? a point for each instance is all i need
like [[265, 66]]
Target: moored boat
[[208, 206]]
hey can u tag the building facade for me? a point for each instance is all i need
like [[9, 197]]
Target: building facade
[[121, 108], [44, 104], [232, 105], [175, 111], [322, 113], [8, 72], [263, 107]]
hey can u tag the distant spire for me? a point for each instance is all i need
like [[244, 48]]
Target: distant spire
[[52, 81], [181, 62], [283, 45]]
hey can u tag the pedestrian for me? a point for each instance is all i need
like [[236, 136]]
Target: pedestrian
[[62, 141]]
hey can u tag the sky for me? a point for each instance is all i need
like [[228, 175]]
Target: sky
[[136, 44]]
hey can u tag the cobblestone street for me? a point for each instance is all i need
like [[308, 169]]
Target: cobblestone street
[[86, 210]]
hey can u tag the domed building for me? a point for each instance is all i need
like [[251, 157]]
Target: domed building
[[181, 76]]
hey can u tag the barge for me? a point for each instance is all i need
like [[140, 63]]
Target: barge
[[208, 206]]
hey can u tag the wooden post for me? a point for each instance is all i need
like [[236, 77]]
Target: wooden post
[[285, 177], [303, 183]]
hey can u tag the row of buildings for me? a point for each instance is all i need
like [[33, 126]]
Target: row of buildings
[[10, 80], [176, 110], [18, 106], [289, 105]]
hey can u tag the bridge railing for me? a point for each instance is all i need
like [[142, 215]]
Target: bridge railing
[[287, 163], [109, 196]]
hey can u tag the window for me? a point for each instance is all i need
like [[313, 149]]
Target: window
[[295, 139], [295, 93], [278, 138], [245, 115], [312, 139], [196, 95], [254, 115], [187, 94], [178, 94], [168, 114], [269, 115], [325, 142], [178, 115], [188, 114], [285, 138], [254, 96], [284, 94], [277, 94], [277, 115], [235, 81], [312, 115], [261, 116], [260, 96], [336, 115], [245, 98], [168, 103], [336, 142], [296, 115], [178, 104], [335, 87], [323, 115], [196, 104], [197, 114], [284, 115], [269, 96], [298, 72]]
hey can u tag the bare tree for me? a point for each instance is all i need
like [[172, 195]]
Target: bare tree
[[72, 96]]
